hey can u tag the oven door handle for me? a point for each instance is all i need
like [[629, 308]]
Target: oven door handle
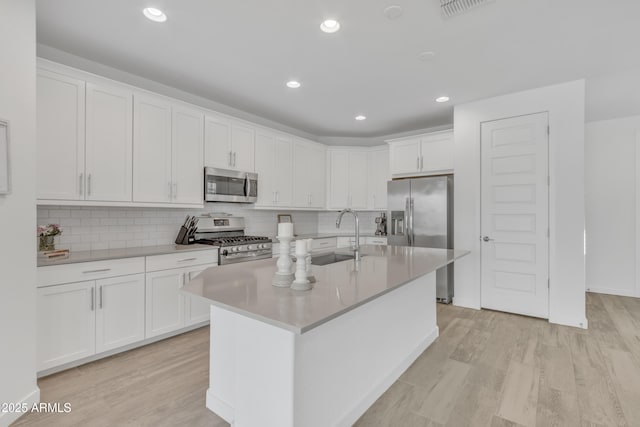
[[247, 186]]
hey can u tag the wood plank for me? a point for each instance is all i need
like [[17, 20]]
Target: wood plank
[[520, 394]]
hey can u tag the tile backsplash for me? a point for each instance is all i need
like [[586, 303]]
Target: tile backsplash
[[94, 228], [327, 222]]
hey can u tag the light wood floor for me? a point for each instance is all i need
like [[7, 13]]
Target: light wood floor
[[485, 369]]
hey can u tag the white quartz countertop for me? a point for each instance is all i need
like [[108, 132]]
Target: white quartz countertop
[[105, 254], [246, 288]]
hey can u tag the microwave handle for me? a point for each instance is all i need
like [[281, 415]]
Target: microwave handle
[[247, 186]]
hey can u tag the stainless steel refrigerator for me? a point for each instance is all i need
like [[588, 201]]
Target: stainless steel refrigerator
[[420, 213]]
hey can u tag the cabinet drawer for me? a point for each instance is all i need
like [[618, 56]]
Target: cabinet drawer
[[182, 259], [69, 273], [376, 240], [322, 244]]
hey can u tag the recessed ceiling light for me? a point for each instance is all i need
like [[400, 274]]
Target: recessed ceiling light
[[442, 99], [361, 117], [293, 84], [393, 12], [426, 56], [330, 26], [154, 14]]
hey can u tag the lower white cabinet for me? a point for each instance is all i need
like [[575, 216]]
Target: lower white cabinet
[[195, 309], [78, 320], [350, 241]]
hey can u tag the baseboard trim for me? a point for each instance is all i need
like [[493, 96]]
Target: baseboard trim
[[617, 292], [6, 418], [219, 407], [582, 324], [361, 407]]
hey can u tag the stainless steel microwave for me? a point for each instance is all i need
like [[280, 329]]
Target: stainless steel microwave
[[223, 185]]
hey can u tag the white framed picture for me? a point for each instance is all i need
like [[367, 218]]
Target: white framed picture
[[5, 172]]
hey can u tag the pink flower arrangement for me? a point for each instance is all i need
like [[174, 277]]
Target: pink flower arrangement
[[49, 230]]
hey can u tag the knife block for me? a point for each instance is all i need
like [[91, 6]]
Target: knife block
[[183, 237]]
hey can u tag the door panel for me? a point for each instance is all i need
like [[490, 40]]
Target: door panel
[[515, 215], [188, 152], [217, 142], [430, 212], [243, 147], [358, 180], [339, 180], [196, 309], [405, 156], [266, 168], [164, 302]]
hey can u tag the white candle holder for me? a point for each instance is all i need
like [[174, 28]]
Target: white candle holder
[[310, 277], [284, 276], [301, 283]]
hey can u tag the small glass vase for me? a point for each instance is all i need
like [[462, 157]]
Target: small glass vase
[[46, 243]]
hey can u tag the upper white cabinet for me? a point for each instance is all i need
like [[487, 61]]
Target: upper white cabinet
[[348, 174], [187, 154], [109, 141], [273, 163], [229, 144], [309, 172], [167, 152], [422, 154], [378, 177], [60, 136]]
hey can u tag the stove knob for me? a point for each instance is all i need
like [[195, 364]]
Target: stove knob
[[225, 252], [249, 247]]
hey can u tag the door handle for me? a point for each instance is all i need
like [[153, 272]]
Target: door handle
[[421, 162], [407, 223], [175, 190], [89, 185], [92, 299], [487, 239], [247, 185], [418, 162], [100, 305], [234, 158], [81, 184]]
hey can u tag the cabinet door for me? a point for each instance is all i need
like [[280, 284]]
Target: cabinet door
[[437, 152], [109, 164], [242, 147], [217, 142], [283, 171], [358, 175], [309, 175], [119, 311], [405, 156], [151, 149], [196, 309], [66, 323], [164, 303], [60, 136], [378, 177], [339, 179], [188, 152], [265, 165]]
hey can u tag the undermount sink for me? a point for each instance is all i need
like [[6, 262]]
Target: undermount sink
[[330, 258]]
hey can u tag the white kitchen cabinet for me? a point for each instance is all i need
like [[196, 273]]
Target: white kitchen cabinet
[[164, 302], [65, 323], [348, 179], [168, 152], [109, 143], [196, 310], [309, 172], [378, 177], [60, 136], [119, 311], [274, 168], [350, 241], [229, 144], [187, 144], [427, 154], [152, 149], [378, 240]]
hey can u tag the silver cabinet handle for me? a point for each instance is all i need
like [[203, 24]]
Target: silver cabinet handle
[[81, 184], [247, 185], [89, 185], [418, 163], [234, 158], [487, 239], [175, 190], [93, 299], [100, 297], [102, 270], [407, 225], [421, 162], [187, 259], [230, 157]]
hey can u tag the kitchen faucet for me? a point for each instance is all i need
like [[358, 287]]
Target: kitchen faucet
[[356, 249]]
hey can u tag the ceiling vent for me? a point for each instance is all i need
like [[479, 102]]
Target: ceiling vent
[[456, 7]]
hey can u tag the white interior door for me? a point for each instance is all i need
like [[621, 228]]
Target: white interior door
[[515, 215]]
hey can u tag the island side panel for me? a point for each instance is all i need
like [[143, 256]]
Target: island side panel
[[344, 365], [251, 371]]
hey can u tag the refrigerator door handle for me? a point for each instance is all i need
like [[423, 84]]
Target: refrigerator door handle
[[411, 235], [407, 220]]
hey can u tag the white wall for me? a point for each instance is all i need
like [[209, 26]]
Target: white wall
[[95, 228], [611, 161], [18, 211], [565, 105]]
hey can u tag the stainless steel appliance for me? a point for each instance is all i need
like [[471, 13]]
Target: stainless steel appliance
[[381, 224], [227, 232], [223, 185], [420, 213]]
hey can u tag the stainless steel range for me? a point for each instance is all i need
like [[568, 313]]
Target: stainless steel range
[[227, 232]]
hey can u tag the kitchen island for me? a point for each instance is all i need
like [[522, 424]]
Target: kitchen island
[[321, 357]]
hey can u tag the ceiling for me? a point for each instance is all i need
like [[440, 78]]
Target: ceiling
[[241, 53]]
